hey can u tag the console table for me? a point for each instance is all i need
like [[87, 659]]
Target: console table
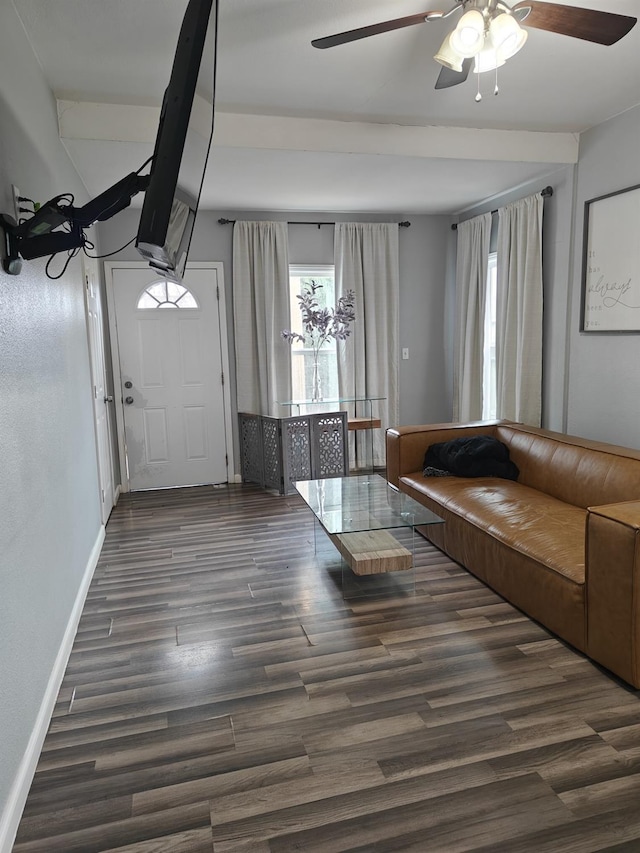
[[360, 422]]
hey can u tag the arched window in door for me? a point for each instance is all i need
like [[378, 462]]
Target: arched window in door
[[167, 294]]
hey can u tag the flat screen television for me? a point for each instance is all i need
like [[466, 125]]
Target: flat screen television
[[172, 187], [182, 145]]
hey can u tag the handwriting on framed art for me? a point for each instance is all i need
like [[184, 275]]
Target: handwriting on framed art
[[611, 263]]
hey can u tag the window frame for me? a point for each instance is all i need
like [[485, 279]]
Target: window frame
[[299, 377]]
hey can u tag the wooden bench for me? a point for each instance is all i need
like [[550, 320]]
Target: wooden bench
[[372, 552]]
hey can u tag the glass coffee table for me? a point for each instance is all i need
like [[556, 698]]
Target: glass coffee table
[[373, 528]]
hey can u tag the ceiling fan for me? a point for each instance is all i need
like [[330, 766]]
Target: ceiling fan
[[489, 32]]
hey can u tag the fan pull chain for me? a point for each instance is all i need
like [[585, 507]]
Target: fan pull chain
[[496, 90], [478, 96]]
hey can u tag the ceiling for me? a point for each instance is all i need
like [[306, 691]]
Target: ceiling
[[358, 127]]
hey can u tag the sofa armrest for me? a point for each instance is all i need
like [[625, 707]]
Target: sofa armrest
[[612, 575], [407, 445]]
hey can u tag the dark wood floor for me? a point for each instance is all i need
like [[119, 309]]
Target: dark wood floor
[[221, 696]]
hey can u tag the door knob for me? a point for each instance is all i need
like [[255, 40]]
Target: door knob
[[108, 399], [128, 400]]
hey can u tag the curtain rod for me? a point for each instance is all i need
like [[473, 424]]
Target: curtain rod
[[404, 224], [545, 193]]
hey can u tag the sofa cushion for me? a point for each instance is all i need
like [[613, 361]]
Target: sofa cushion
[[547, 530], [574, 470]]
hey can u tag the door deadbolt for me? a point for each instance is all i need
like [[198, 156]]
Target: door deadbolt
[[128, 384]]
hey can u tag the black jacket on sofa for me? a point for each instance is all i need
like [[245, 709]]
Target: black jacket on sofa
[[473, 456]]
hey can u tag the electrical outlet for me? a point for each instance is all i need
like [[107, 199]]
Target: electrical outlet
[[16, 203]]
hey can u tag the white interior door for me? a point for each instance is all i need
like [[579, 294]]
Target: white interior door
[[101, 401], [171, 374]]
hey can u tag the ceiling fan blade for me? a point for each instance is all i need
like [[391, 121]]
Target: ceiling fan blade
[[589, 24], [448, 77], [373, 30]]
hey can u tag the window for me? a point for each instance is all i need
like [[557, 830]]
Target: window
[[167, 294], [301, 355], [489, 404]]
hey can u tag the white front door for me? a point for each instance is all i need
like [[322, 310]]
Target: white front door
[[101, 401], [172, 385]]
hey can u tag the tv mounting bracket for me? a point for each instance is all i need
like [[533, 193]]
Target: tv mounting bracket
[[36, 237]]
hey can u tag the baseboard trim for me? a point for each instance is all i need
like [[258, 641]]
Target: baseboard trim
[[14, 807]]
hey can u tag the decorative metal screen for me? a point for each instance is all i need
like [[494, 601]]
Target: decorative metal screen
[[250, 448], [329, 447], [275, 452], [271, 454], [296, 450]]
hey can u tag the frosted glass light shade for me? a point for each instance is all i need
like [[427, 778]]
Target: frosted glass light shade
[[507, 36], [449, 57], [468, 37]]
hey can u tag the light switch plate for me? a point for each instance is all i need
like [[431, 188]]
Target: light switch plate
[[405, 353]]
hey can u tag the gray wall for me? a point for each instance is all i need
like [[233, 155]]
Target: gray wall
[[603, 400], [49, 512], [424, 387]]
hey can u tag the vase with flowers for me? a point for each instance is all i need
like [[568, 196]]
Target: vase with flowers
[[320, 325]]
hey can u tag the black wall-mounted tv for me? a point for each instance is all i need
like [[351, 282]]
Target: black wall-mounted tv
[[182, 144], [172, 187]]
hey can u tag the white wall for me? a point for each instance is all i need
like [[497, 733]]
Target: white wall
[[424, 386], [603, 400], [49, 512]]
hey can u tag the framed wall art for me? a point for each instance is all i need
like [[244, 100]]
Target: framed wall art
[[611, 263]]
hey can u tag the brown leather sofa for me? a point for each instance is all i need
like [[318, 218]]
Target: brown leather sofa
[[561, 543]]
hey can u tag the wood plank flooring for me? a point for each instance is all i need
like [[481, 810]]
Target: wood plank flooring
[[222, 697]]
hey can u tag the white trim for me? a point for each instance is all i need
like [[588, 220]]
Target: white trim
[[89, 263], [224, 347], [218, 266], [17, 798], [115, 365]]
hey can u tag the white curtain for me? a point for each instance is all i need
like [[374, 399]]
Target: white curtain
[[366, 261], [261, 312], [519, 311], [471, 298]]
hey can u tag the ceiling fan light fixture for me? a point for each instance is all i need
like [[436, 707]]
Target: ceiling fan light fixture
[[449, 57], [468, 37], [507, 36], [487, 60]]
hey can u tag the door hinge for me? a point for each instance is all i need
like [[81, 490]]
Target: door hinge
[[222, 378], [95, 392], [102, 490], [218, 292]]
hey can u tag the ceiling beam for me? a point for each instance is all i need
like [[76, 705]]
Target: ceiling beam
[[127, 123]]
